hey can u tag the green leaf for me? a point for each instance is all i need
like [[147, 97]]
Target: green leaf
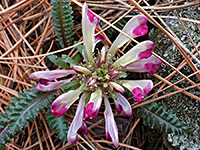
[[62, 20], [69, 60], [79, 47], [70, 84], [58, 61], [77, 58], [156, 115], [24, 109], [58, 124]]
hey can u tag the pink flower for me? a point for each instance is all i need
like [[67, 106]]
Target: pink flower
[[62, 103], [123, 105], [49, 86], [92, 108], [89, 23], [111, 127], [78, 126], [45, 78], [139, 88], [135, 27], [81, 70], [149, 65], [140, 51], [116, 87]]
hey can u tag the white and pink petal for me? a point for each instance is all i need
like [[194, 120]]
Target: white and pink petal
[[93, 106], [149, 65], [123, 105], [81, 70], [142, 50], [139, 88], [49, 86], [45, 76], [116, 87], [135, 27], [62, 103], [111, 127], [78, 126], [99, 38], [89, 23], [114, 73]]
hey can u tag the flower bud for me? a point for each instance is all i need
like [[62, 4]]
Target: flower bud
[[116, 87], [81, 70]]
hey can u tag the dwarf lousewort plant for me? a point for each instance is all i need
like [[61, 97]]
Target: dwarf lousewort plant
[[99, 77]]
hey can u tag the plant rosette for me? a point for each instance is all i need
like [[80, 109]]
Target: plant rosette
[[98, 78]]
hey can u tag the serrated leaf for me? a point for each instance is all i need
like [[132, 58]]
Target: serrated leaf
[[62, 21], [156, 116], [18, 114]]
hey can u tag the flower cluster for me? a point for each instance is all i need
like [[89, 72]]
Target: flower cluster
[[99, 77]]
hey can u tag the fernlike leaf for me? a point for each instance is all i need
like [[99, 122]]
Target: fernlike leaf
[[62, 20], [157, 116], [24, 109]]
